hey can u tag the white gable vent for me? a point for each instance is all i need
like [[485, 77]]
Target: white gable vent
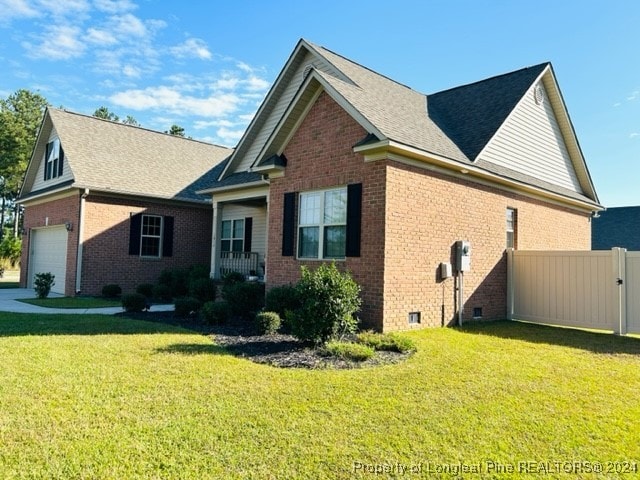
[[538, 94]]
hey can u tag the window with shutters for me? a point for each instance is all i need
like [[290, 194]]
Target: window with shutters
[[322, 225], [53, 161], [151, 236], [232, 236]]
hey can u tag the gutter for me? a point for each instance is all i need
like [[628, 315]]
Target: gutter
[[79, 252]]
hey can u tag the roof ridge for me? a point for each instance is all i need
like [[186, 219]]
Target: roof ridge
[[363, 67], [494, 77], [139, 127]]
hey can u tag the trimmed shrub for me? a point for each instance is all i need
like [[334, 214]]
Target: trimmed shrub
[[215, 313], [390, 342], [329, 301], [42, 284], [268, 323], [134, 302], [204, 289], [348, 350], [186, 306], [198, 271], [244, 298], [230, 278], [162, 292], [280, 299], [111, 290], [145, 289], [177, 279]]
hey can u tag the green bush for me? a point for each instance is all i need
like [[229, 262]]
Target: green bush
[[268, 323], [348, 350], [134, 302], [42, 284], [198, 271], [204, 289], [215, 313], [111, 290], [390, 342], [145, 289], [177, 279], [280, 299], [329, 301], [244, 298], [162, 292], [186, 306], [230, 278], [11, 249]]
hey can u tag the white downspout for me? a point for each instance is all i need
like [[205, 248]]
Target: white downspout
[[80, 242]]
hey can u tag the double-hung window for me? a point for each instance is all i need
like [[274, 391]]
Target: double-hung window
[[53, 161], [151, 237], [232, 237], [511, 227], [322, 226]]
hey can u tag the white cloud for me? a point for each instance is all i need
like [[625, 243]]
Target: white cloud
[[634, 135], [129, 25], [202, 124], [58, 42], [66, 8], [131, 71], [192, 48], [12, 9], [227, 82], [635, 95], [256, 84], [114, 6], [100, 37], [172, 100], [228, 136]]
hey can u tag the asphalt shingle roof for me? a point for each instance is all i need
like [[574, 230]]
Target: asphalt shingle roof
[[114, 157], [616, 227]]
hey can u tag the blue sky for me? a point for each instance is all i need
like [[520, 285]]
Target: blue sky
[[207, 65]]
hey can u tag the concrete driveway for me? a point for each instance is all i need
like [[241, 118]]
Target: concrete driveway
[[9, 303]]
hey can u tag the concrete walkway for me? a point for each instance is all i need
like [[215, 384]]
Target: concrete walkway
[[9, 303]]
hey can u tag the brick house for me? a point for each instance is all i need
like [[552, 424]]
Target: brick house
[[107, 203], [343, 164]]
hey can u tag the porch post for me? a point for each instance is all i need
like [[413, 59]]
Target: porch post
[[215, 234], [266, 241]]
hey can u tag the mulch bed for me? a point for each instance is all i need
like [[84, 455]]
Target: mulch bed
[[240, 338]]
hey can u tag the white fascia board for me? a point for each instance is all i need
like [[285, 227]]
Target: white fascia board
[[388, 149], [231, 188]]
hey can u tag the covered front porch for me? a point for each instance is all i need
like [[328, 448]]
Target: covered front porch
[[239, 240]]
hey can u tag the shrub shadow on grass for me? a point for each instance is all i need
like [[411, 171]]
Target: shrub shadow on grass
[[193, 349], [595, 342]]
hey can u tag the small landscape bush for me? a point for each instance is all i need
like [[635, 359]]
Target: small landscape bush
[[198, 271], [162, 292], [215, 313], [348, 350], [186, 306], [329, 301], [390, 342], [134, 302], [145, 289], [268, 323], [42, 284], [244, 298], [111, 290], [177, 279], [204, 289], [282, 298]]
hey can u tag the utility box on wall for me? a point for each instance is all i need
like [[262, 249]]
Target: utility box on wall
[[463, 256]]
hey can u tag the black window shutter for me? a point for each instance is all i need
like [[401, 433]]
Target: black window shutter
[[354, 219], [167, 237], [47, 151], [134, 234], [60, 161], [288, 224], [248, 231]]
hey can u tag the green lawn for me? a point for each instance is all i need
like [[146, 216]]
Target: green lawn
[[73, 302], [107, 397]]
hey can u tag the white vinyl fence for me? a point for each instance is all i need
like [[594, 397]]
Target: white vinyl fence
[[585, 289]]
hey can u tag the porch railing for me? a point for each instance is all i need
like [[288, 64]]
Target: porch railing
[[245, 263]]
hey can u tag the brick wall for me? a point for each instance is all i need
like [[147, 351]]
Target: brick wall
[[106, 256], [56, 212], [427, 212], [411, 218], [320, 156]]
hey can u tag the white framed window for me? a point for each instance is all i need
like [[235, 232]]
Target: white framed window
[[151, 236], [511, 227], [232, 236], [322, 224], [53, 160]]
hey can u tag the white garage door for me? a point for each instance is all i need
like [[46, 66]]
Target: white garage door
[[49, 254]]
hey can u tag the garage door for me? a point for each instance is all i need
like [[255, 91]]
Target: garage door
[[49, 254]]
